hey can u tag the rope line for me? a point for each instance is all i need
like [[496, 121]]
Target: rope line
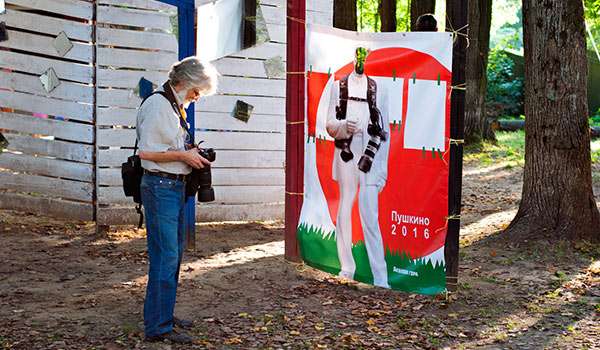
[[295, 193]]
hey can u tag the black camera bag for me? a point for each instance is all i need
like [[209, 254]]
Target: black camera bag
[[132, 171]]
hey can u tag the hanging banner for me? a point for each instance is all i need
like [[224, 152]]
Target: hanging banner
[[376, 157]]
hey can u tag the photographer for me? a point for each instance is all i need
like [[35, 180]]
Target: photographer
[[167, 156], [359, 128]]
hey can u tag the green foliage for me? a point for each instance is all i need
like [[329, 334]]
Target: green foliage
[[319, 250], [595, 119], [505, 89], [368, 17], [592, 17], [507, 25]]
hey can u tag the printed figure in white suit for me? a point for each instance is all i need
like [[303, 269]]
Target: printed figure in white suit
[[359, 164]]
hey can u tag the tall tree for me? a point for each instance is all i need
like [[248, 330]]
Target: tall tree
[[344, 14], [387, 13], [557, 201], [477, 125], [418, 8]]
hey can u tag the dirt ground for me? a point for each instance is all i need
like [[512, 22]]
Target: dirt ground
[[63, 287]]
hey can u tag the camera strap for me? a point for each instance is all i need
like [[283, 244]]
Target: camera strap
[[170, 97]]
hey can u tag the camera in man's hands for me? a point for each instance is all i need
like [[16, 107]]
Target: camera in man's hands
[[200, 180], [377, 136]]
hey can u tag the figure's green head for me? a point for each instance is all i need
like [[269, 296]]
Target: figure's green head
[[360, 59]]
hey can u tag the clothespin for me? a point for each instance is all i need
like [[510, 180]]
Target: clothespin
[[440, 154], [423, 153], [414, 76], [394, 74], [438, 79], [394, 125], [328, 72], [308, 139], [433, 152], [309, 70]]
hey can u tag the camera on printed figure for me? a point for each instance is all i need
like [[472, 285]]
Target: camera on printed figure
[[200, 180], [377, 135]]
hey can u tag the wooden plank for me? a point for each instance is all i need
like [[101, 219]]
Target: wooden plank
[[48, 186], [41, 44], [204, 120], [263, 51], [224, 103], [225, 159], [116, 116], [239, 212], [47, 24], [134, 17], [277, 32], [223, 194], [47, 206], [123, 215], [115, 137], [50, 127], [51, 148], [38, 65], [241, 67], [220, 177], [275, 15], [252, 86], [128, 78], [322, 18], [46, 166], [118, 98], [71, 8], [31, 84], [137, 39], [142, 4], [242, 140], [224, 121], [214, 139], [45, 105], [122, 58]]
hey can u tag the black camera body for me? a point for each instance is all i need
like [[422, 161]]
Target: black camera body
[[377, 136], [200, 180], [343, 144]]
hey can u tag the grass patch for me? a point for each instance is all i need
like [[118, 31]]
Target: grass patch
[[509, 150], [595, 148], [319, 250]]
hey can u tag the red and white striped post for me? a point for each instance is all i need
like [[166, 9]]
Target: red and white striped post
[[294, 150]]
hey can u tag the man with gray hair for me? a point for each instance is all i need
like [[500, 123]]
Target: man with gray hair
[[168, 155]]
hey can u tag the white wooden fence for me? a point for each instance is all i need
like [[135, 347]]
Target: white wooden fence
[[68, 163], [48, 167]]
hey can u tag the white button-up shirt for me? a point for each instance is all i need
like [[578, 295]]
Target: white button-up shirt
[[159, 130]]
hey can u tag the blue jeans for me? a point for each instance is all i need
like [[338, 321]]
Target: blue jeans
[[163, 201]]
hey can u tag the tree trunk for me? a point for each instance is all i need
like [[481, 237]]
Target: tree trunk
[[418, 8], [387, 13], [477, 125], [344, 14], [557, 201]]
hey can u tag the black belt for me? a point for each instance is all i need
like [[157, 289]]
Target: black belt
[[178, 177]]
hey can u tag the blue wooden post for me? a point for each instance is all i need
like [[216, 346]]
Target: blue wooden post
[[186, 11]]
